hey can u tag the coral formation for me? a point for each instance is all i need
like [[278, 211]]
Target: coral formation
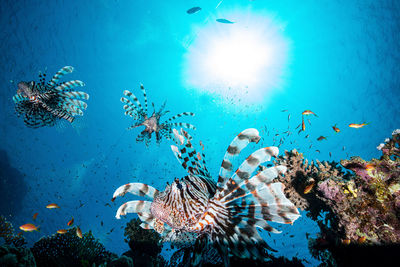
[[145, 245], [11, 256], [7, 233], [70, 250], [360, 206]]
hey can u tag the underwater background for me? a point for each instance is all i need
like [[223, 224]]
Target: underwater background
[[338, 59]]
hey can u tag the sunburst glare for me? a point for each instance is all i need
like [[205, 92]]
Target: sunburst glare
[[244, 60]]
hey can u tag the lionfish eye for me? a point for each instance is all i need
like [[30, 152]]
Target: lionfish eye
[[178, 184]]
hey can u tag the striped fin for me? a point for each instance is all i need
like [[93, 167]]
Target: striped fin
[[183, 124], [136, 206], [245, 170], [146, 217], [134, 98], [57, 112], [72, 109], [18, 98], [59, 74], [68, 85], [139, 189], [76, 102], [236, 146], [146, 226], [75, 94], [179, 115], [145, 97]]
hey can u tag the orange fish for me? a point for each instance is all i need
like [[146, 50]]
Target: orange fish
[[71, 222], [202, 146], [321, 138], [35, 215], [62, 231], [28, 227], [52, 206], [370, 167], [346, 241], [361, 239], [336, 129], [303, 126], [357, 125], [79, 232], [308, 188], [309, 112]]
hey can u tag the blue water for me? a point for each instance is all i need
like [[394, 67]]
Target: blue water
[[342, 63]]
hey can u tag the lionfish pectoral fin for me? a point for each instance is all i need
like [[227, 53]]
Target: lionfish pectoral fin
[[139, 189], [240, 142], [136, 206]]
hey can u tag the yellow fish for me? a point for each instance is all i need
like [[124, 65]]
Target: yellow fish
[[29, 227], [52, 206], [309, 112], [62, 231], [357, 125], [79, 232]]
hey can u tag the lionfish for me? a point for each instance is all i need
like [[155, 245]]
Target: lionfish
[[44, 104], [224, 214], [134, 109]]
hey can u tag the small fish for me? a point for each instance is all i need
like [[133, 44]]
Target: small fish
[[308, 188], [201, 144], [361, 239], [357, 125], [35, 216], [193, 10], [28, 227], [52, 206], [346, 241], [71, 222], [79, 232], [224, 21], [62, 231], [284, 110], [307, 136], [317, 151], [303, 126], [288, 117], [321, 138], [336, 129], [330, 154], [370, 167], [308, 112]]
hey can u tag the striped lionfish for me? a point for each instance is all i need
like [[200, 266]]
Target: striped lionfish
[[225, 214], [44, 104], [134, 109]]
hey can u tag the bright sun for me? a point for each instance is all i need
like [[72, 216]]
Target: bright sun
[[245, 60]]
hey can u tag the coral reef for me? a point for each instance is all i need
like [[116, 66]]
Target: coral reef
[[7, 233], [11, 256], [145, 245], [354, 208], [70, 250]]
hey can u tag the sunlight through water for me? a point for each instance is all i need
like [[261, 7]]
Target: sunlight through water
[[245, 60]]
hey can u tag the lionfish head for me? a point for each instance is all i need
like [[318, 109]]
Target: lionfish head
[[26, 89], [167, 205]]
